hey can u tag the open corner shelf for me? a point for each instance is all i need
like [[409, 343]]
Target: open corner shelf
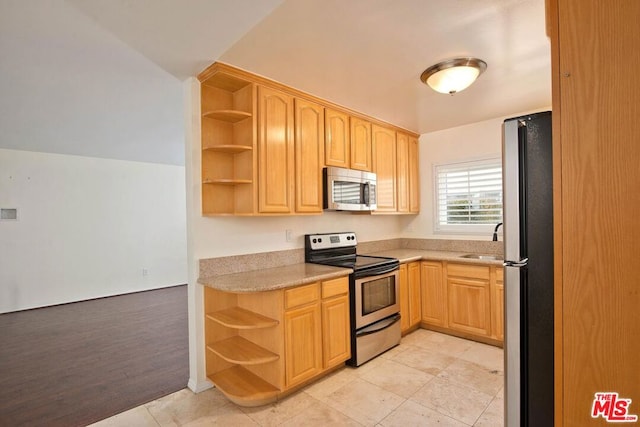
[[227, 181], [241, 351], [230, 116], [243, 387], [239, 318], [229, 148]]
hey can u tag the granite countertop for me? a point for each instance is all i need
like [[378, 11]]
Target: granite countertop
[[408, 255], [269, 279]]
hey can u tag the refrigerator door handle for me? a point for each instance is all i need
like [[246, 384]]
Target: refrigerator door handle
[[521, 263]]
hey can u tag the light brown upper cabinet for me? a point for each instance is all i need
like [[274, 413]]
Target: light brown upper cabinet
[[384, 165], [348, 141], [402, 152], [361, 144], [414, 175], [309, 154], [337, 139], [264, 146], [275, 151]]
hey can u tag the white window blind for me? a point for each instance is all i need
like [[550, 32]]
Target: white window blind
[[468, 196]]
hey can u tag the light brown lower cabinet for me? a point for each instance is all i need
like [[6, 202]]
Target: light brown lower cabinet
[[434, 294], [469, 299], [410, 304], [263, 345], [463, 299]]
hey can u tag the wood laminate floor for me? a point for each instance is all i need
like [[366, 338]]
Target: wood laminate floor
[[74, 364]]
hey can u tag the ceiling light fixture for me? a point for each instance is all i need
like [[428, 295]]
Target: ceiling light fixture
[[453, 75]]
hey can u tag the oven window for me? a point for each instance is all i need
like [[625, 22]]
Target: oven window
[[378, 294]]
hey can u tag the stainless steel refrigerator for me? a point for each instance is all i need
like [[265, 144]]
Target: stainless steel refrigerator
[[528, 253]]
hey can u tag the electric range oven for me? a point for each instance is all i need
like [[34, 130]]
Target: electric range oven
[[373, 293]]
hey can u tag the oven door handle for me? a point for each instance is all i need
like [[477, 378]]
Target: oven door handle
[[379, 326], [372, 274]]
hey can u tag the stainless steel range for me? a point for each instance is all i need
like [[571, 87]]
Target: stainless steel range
[[373, 290]]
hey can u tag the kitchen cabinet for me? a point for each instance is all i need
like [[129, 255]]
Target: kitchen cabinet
[[434, 294], [303, 339], [348, 141], [385, 167], [404, 297], [264, 146], [469, 299], [466, 300], [403, 171], [336, 332], [415, 282], [262, 345], [395, 156], [414, 175], [309, 155], [410, 311], [275, 151], [337, 139], [361, 144], [594, 61]]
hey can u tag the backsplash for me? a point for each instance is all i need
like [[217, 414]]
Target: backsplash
[[241, 263]]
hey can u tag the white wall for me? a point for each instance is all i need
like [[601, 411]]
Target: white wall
[[471, 142], [87, 228]]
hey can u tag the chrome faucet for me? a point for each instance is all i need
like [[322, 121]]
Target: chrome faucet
[[495, 232]]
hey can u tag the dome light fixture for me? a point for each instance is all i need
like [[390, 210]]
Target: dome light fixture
[[453, 75]]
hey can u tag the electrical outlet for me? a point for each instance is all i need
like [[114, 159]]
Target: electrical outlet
[[288, 235], [145, 272]]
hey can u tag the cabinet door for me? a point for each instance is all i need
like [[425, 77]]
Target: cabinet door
[[309, 154], [361, 144], [413, 276], [336, 344], [384, 165], [337, 139], [275, 151], [402, 178], [414, 176], [469, 305], [404, 298], [497, 305], [303, 344], [434, 294]]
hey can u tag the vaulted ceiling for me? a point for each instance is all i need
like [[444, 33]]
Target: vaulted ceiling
[[103, 78], [364, 54]]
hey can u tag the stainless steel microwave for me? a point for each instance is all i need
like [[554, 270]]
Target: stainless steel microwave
[[349, 190]]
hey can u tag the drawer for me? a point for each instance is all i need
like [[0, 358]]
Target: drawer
[[339, 286], [301, 295], [471, 271]]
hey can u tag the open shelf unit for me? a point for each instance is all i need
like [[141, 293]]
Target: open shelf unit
[[228, 106], [244, 345]]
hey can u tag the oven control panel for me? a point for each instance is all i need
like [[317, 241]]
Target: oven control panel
[[330, 240]]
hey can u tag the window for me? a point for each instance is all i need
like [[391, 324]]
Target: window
[[468, 196]]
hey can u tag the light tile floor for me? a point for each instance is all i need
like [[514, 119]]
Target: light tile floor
[[429, 379]]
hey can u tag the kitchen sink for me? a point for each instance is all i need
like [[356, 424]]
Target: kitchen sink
[[483, 257]]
